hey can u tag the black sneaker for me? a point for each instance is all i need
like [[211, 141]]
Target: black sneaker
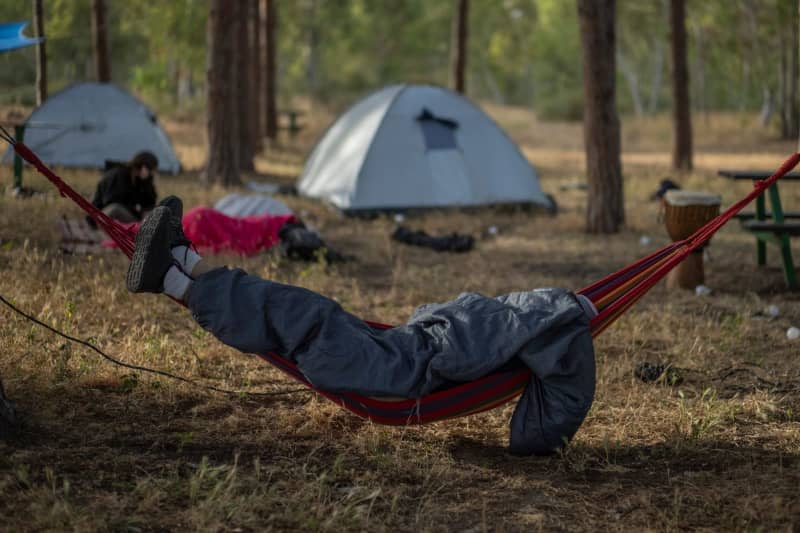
[[152, 255], [175, 206]]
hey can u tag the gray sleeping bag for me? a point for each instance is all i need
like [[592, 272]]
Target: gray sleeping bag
[[461, 340]]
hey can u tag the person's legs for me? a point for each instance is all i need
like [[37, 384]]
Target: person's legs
[[259, 316], [162, 256], [248, 313]]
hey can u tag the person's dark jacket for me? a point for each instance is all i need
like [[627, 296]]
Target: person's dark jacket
[[118, 186]]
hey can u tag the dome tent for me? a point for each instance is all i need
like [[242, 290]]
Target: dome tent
[[417, 146], [87, 124]]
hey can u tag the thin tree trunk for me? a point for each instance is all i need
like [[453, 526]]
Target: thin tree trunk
[[313, 49], [700, 69], [256, 75], [270, 39], [459, 49], [681, 114], [657, 75], [102, 62], [241, 82], [174, 75], [633, 83], [223, 120], [605, 211], [793, 66], [491, 82], [751, 9], [41, 53], [783, 82], [766, 106]]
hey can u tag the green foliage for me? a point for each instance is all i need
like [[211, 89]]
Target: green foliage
[[557, 61], [522, 52]]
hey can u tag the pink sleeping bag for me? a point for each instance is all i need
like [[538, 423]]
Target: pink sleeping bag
[[212, 231]]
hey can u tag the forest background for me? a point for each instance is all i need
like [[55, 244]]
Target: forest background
[[521, 52]]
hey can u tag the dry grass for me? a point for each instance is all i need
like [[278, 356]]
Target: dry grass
[[103, 449]]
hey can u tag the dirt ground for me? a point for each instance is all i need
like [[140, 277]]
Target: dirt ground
[[105, 448]]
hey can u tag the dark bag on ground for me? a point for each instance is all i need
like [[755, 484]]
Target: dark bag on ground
[[449, 243], [299, 242]]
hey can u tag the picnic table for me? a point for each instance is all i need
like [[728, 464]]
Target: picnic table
[[775, 227]]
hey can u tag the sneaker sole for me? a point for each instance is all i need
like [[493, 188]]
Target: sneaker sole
[[152, 256]]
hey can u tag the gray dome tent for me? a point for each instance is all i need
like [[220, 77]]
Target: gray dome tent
[[87, 124], [413, 146]]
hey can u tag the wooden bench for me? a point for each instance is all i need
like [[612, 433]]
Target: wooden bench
[[751, 215], [770, 227], [778, 233], [774, 228]]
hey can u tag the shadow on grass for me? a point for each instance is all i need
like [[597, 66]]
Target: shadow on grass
[[707, 459]]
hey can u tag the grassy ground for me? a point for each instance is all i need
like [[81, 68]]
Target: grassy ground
[[106, 449]]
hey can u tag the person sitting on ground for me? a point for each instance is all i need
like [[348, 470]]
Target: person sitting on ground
[[126, 192], [546, 330]]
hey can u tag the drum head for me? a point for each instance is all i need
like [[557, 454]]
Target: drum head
[[685, 198]]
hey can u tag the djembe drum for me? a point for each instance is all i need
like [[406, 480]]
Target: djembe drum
[[684, 213]]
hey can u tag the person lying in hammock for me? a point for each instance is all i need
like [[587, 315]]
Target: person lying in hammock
[[442, 345]]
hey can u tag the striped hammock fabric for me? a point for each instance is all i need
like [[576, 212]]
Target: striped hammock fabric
[[612, 295]]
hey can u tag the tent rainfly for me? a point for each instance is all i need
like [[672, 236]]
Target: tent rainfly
[[87, 124], [413, 146], [12, 36]]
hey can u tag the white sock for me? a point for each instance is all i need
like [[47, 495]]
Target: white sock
[[176, 283], [187, 258]]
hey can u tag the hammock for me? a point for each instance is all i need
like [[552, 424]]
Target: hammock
[[612, 295]]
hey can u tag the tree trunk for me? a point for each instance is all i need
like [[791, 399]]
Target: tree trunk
[[633, 83], [657, 76], [681, 114], [783, 83], [491, 82], [792, 120], [8, 414], [270, 87], [766, 106], [102, 64], [223, 120], [256, 75], [658, 63], [313, 49], [41, 53], [459, 49], [605, 211], [700, 69], [242, 85]]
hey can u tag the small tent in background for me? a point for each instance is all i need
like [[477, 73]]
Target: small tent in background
[[411, 146], [87, 124]]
